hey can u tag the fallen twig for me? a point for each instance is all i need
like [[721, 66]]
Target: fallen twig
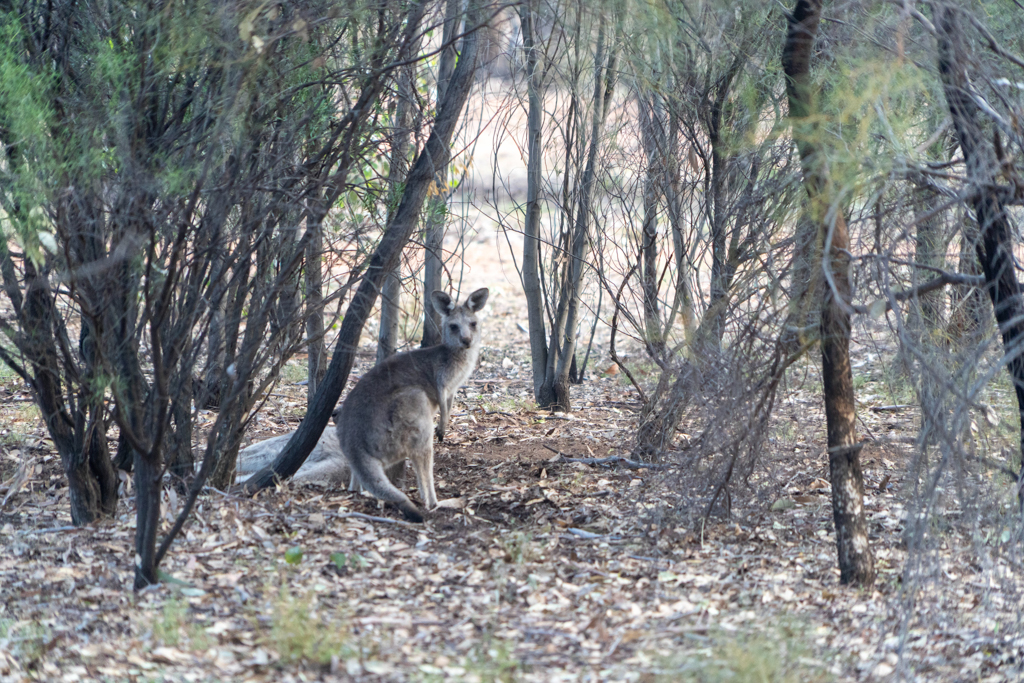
[[610, 460], [891, 409], [51, 530], [371, 518]]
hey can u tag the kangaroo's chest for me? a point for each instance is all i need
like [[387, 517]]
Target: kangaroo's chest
[[456, 374]]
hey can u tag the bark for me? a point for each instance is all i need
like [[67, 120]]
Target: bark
[[92, 484], [712, 329], [930, 249], [995, 246], [856, 563], [148, 478], [385, 258], [653, 182], [316, 345], [555, 392], [531, 227], [181, 462], [682, 303], [969, 310], [390, 310], [390, 305], [437, 206]]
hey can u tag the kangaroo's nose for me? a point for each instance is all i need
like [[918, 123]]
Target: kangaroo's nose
[[466, 342]]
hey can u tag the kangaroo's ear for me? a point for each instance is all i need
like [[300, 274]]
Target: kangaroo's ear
[[477, 299], [443, 303]]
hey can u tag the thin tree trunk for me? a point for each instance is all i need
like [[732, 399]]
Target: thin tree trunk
[[683, 299], [929, 251], [995, 246], [91, 480], [856, 563], [316, 344], [531, 228], [148, 478], [181, 462], [572, 282], [390, 305], [437, 207], [968, 310], [653, 182], [385, 257], [711, 331]]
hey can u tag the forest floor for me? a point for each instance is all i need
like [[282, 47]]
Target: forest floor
[[537, 570]]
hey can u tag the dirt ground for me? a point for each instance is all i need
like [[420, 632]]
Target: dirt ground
[[537, 571]]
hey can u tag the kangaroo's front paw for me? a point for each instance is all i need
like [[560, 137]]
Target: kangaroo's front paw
[[439, 433]]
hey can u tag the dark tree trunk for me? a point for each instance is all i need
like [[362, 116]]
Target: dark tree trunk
[[148, 478], [92, 483], [995, 246], [856, 563], [181, 462], [434, 155]]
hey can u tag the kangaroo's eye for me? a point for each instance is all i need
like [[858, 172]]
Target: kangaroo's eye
[[472, 325], [453, 328]]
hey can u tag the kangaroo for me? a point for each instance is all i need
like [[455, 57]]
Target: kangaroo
[[388, 416]]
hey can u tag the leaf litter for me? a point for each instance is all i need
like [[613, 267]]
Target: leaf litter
[[550, 560]]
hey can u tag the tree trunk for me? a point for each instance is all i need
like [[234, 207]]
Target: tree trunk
[[564, 329], [435, 154], [316, 345], [391, 294], [711, 331], [181, 462], [653, 182], [92, 484], [437, 205], [856, 563], [148, 478], [995, 246], [682, 302], [531, 227]]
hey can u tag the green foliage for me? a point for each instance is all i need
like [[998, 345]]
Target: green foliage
[[168, 623], [781, 656], [493, 661], [519, 547], [173, 622], [301, 631], [352, 561], [488, 661], [293, 555], [27, 641]]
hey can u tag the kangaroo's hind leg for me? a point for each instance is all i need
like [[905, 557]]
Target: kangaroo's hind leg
[[423, 468], [370, 473], [413, 438]]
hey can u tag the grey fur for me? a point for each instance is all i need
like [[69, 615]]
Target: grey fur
[[325, 465], [388, 416]]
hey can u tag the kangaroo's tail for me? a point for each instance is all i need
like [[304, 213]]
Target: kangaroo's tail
[[261, 454], [371, 476]]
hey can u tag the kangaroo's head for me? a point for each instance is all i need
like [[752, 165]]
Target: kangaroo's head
[[458, 323]]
